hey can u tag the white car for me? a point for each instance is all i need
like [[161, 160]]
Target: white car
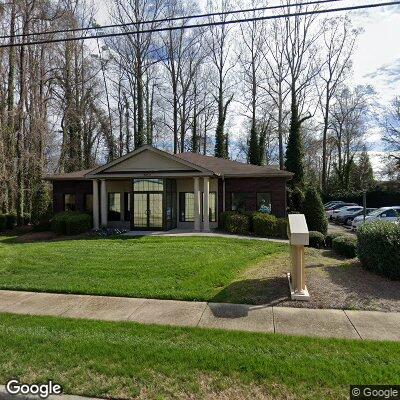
[[345, 210], [329, 212], [391, 214]]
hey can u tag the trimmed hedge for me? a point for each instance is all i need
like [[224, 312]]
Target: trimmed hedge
[[317, 239], [234, 222], [267, 225], [378, 248], [71, 223], [11, 221], [345, 245], [7, 221], [3, 222], [330, 236]]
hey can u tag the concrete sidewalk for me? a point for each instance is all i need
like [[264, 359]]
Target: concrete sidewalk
[[242, 317]]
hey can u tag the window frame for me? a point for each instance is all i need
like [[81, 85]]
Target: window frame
[[182, 207], [85, 197], [270, 201], [109, 209], [64, 202], [247, 196]]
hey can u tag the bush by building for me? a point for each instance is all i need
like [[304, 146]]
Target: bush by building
[[236, 223], [267, 225], [71, 223], [378, 248]]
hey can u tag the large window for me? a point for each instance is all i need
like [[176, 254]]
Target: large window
[[114, 206], [186, 207], [88, 202], [148, 185], [239, 201], [264, 203], [212, 207], [69, 202]]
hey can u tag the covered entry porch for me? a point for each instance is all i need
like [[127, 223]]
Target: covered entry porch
[[143, 203]]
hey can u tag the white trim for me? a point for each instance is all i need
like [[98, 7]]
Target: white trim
[[133, 153]]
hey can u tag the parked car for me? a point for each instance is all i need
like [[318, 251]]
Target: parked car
[[331, 209], [330, 204], [391, 214], [347, 217], [344, 210]]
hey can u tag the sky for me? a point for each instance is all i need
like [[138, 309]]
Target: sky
[[376, 59]]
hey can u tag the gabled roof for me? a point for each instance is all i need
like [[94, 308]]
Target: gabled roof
[[188, 162], [224, 167], [188, 165]]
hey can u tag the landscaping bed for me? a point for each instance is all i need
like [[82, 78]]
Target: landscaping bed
[[128, 360], [333, 282]]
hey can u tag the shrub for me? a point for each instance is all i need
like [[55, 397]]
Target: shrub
[[314, 211], [3, 222], [330, 236], [234, 222], [71, 223], [317, 239], [378, 248], [345, 245], [269, 226], [11, 221]]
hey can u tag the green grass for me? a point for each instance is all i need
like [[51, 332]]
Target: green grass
[[125, 360], [190, 268]]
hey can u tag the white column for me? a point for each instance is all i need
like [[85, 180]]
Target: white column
[[196, 186], [95, 204], [103, 202], [206, 205]]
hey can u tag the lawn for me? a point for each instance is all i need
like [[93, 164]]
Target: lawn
[[128, 360], [186, 268]]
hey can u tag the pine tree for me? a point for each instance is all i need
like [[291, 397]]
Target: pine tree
[[254, 151], [294, 150]]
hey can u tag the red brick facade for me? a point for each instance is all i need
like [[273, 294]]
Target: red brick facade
[[78, 188], [276, 187]]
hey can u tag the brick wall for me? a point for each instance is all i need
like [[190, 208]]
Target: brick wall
[[275, 186], [79, 188]]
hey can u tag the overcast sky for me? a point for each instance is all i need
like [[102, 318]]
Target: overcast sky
[[376, 60]]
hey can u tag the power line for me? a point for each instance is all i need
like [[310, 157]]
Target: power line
[[161, 20], [173, 28]]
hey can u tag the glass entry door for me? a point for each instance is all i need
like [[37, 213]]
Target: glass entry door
[[148, 210]]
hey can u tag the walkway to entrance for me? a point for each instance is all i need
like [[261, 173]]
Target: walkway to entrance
[[242, 317], [181, 232]]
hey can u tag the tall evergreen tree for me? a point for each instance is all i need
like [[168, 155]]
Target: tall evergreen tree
[[294, 150], [254, 150]]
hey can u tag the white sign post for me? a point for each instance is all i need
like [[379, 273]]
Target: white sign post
[[298, 237]]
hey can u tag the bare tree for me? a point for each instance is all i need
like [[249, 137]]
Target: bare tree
[[337, 44], [219, 46]]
